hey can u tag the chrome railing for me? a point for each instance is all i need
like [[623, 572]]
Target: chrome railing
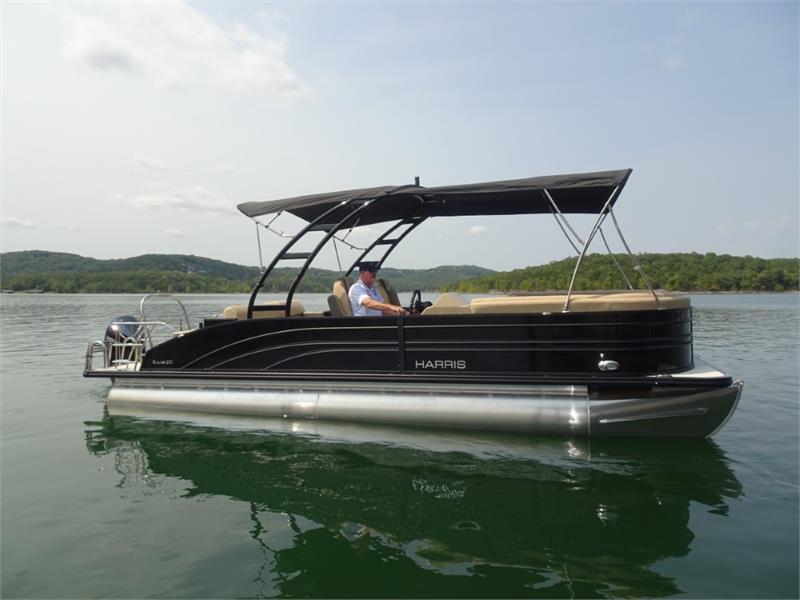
[[127, 353]]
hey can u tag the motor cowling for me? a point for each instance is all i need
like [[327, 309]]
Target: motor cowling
[[125, 329]]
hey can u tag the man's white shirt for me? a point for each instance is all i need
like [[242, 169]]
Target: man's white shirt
[[357, 294]]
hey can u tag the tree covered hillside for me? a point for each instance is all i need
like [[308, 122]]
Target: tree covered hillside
[[69, 273], [676, 271], [42, 261]]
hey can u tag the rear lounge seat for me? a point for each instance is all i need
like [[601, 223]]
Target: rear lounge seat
[[579, 302], [547, 302]]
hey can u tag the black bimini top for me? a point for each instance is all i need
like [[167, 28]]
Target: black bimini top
[[573, 193]]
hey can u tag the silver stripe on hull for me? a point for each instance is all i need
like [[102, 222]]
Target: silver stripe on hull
[[542, 410]]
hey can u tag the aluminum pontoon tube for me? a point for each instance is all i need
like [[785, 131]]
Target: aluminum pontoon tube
[[551, 410]]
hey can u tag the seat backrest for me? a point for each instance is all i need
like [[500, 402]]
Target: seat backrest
[[339, 300], [239, 311], [448, 303], [388, 292]]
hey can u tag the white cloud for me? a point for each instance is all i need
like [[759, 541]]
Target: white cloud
[[166, 196], [154, 164], [222, 169], [66, 227], [100, 46], [14, 222], [172, 232], [174, 44], [672, 61], [771, 227], [477, 230]]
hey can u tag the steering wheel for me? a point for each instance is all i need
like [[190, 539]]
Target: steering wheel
[[416, 306]]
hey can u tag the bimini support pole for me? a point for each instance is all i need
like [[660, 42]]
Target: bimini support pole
[[258, 239], [636, 266], [564, 231], [614, 258], [600, 218], [561, 220]]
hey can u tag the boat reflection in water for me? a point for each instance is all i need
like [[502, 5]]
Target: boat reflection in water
[[377, 511]]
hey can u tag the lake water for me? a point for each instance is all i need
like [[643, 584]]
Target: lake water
[[102, 506]]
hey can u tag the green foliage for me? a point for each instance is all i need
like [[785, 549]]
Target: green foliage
[[41, 261], [122, 282], [406, 280], [69, 273], [677, 271], [59, 272]]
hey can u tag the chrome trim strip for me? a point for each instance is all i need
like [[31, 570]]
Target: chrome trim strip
[[691, 412]]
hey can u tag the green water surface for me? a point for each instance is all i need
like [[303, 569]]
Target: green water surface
[[100, 505]]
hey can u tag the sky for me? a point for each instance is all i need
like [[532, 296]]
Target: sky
[[134, 128]]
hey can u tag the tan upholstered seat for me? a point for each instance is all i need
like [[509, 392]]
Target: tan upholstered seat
[[580, 302], [448, 304], [239, 311], [339, 300], [387, 292]]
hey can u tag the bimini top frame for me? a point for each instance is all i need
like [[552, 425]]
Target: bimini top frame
[[409, 206], [575, 193]]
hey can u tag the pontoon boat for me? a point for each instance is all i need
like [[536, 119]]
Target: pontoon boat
[[572, 363]]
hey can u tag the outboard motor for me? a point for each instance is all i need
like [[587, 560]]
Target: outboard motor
[[121, 330]]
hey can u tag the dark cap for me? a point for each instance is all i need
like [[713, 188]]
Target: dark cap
[[369, 265]]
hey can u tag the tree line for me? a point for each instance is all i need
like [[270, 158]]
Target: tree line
[[59, 272], [674, 271], [67, 273]]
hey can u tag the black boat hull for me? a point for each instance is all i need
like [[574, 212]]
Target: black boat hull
[[638, 342], [537, 374]]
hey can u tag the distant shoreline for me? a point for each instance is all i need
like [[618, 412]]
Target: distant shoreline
[[36, 271]]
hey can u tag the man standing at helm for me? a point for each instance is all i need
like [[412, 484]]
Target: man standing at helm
[[365, 300]]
